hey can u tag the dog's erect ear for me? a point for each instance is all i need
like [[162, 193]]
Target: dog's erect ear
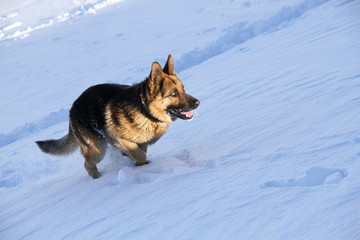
[[169, 66], [156, 73]]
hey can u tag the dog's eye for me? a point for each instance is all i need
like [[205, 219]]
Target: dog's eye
[[174, 93]]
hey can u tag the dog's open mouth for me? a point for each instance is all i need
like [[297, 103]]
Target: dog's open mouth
[[180, 113]]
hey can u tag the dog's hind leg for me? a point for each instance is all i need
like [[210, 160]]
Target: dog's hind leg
[[93, 156], [133, 150], [93, 148]]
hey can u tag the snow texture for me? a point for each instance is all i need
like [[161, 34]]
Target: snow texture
[[273, 152]]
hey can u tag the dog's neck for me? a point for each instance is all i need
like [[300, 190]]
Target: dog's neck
[[144, 104]]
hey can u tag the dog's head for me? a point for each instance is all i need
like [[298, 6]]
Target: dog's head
[[168, 99]]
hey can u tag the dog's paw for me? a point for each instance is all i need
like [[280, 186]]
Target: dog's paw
[[95, 174], [138, 164]]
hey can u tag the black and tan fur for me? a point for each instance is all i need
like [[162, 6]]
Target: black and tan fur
[[128, 117]]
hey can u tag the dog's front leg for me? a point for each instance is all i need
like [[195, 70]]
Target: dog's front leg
[[133, 151], [143, 146]]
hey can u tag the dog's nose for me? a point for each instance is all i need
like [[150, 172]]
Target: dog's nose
[[196, 103]]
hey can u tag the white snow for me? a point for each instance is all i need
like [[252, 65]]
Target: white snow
[[31, 15], [273, 152]]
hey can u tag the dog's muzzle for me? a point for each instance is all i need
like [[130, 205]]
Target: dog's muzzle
[[183, 112]]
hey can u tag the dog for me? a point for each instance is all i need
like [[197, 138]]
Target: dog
[[127, 117]]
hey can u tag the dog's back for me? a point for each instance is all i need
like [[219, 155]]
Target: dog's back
[[89, 108]]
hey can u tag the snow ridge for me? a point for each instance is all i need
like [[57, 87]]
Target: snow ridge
[[34, 127], [243, 31], [315, 176]]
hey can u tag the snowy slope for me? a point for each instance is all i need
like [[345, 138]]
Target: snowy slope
[[18, 18], [272, 153]]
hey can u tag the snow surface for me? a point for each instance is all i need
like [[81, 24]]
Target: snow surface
[[272, 153], [18, 18]]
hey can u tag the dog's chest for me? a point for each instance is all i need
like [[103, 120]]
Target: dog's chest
[[134, 127], [144, 132], [150, 132]]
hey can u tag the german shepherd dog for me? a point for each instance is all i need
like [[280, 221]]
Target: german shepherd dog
[[128, 117]]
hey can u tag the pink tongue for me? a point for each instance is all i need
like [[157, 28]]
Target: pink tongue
[[187, 114]]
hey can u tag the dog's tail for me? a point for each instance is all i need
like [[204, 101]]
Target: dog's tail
[[62, 146]]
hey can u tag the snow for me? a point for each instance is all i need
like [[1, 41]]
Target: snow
[[273, 152], [17, 18]]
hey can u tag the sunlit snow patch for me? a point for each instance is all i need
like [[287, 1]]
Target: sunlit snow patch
[[315, 176]]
